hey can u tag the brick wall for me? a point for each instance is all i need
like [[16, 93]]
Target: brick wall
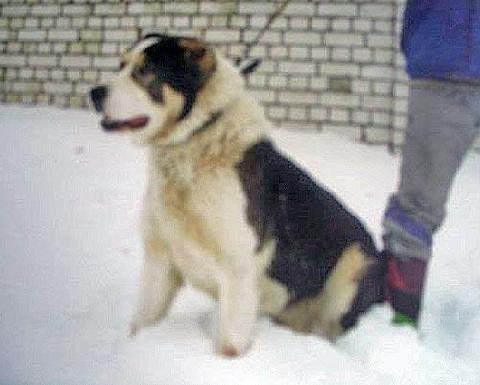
[[327, 64]]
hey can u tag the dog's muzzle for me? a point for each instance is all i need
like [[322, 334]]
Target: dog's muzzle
[[98, 95]]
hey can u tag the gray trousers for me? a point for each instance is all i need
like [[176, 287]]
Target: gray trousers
[[443, 121]]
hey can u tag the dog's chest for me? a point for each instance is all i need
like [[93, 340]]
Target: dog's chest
[[206, 224]]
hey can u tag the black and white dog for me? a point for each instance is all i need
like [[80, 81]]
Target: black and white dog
[[224, 210]]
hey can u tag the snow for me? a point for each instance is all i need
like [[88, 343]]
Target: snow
[[70, 259]]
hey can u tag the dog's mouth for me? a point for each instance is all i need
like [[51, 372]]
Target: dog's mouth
[[134, 123]]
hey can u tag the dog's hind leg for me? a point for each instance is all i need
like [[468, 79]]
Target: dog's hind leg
[[322, 314], [339, 292], [159, 283]]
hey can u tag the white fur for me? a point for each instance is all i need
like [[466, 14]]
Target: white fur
[[208, 199]]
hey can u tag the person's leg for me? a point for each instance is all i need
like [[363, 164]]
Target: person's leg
[[442, 125]]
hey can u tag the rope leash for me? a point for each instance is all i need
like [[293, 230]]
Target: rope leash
[[253, 64]]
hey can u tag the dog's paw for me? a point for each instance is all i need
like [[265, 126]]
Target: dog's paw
[[229, 350]]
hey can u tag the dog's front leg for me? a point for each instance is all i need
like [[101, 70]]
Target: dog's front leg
[[159, 283], [238, 311]]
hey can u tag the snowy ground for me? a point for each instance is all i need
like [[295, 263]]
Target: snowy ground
[[70, 258]]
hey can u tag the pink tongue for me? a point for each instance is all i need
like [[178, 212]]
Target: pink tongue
[[136, 122]]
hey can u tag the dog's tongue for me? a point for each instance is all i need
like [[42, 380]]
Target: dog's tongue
[[132, 124]]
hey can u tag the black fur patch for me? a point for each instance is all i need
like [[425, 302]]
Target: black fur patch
[[167, 62], [311, 227]]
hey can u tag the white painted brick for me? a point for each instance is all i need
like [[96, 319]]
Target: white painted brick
[[381, 118], [110, 9], [222, 35], [289, 97], [381, 103], [74, 75], [382, 41], [382, 88], [299, 52], [31, 22], [298, 82], [15, 10], [297, 67], [377, 72], [321, 53], [95, 22], [277, 81], [111, 23], [320, 24], [277, 112], [106, 62], [264, 96], [362, 55], [45, 10], [4, 34], [218, 7], [342, 25], [362, 25], [278, 52], [57, 74], [26, 87], [126, 35], [344, 39], [237, 21], [136, 8], [361, 87], [319, 83], [361, 116], [91, 35], [339, 115], [377, 11], [300, 9], [181, 7], [218, 21], [17, 23], [383, 26], [300, 23], [302, 38], [12, 60], [63, 35], [401, 106], [341, 54], [297, 113], [42, 61], [75, 61], [401, 90], [58, 88], [258, 21], [76, 9], [383, 56], [345, 100], [257, 80], [180, 21], [337, 10], [256, 7], [340, 69], [32, 35], [318, 113]]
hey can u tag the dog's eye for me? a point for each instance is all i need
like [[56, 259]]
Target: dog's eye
[[122, 65]]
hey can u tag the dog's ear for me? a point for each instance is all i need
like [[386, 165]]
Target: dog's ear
[[201, 54]]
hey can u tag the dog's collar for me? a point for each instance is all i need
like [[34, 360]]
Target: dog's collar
[[205, 125]]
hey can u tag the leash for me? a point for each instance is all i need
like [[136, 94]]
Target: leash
[[253, 64]]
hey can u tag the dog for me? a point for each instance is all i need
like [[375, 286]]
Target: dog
[[224, 210]]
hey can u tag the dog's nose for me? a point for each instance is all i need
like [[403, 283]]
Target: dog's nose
[[98, 94]]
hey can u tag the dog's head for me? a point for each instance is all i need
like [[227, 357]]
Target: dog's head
[[157, 85]]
